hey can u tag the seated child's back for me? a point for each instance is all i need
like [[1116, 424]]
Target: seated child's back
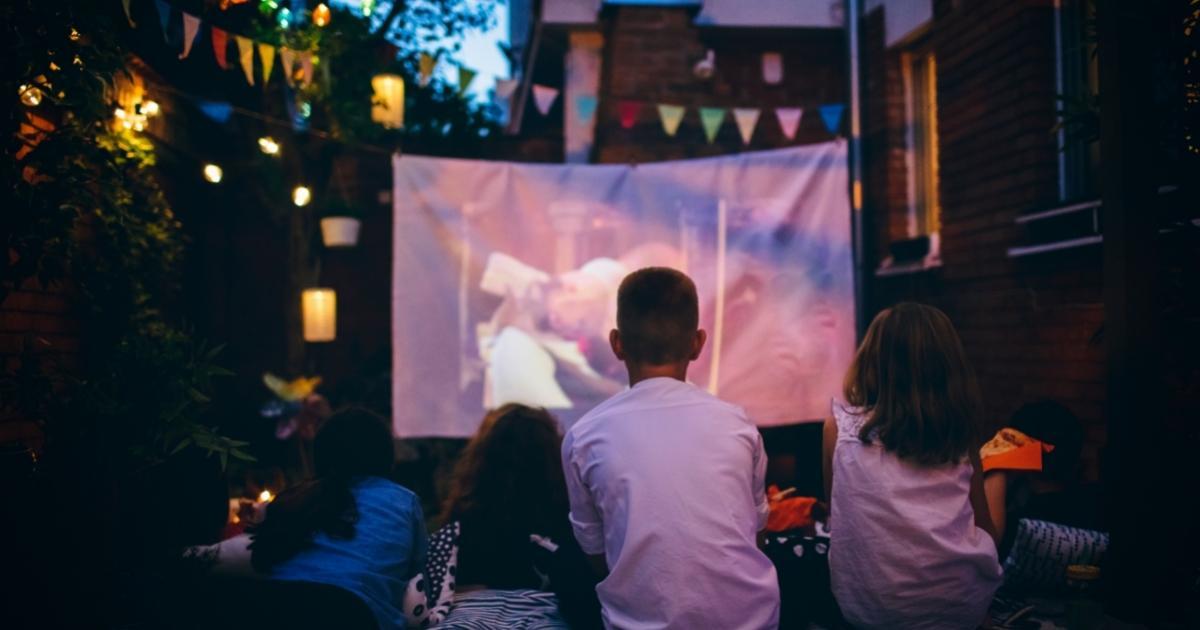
[[910, 537]]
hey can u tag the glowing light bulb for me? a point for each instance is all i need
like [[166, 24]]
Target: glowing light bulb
[[321, 15], [150, 108], [120, 113], [285, 18], [213, 173], [74, 34], [301, 195], [368, 7], [267, 145], [31, 95], [265, 496]]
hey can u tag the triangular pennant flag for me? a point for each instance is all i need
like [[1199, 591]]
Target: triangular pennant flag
[[246, 56], [746, 118], [306, 68], [832, 115], [671, 116], [191, 26], [789, 120], [585, 106], [465, 76], [287, 57], [505, 87], [266, 54], [164, 16], [216, 110], [426, 63], [627, 111], [711, 119], [544, 96], [220, 42], [128, 15]]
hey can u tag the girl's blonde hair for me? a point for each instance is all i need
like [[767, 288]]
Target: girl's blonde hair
[[911, 378]]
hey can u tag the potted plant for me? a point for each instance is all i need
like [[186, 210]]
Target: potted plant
[[340, 223]]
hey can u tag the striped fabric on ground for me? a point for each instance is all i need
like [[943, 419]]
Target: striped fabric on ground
[[505, 609]]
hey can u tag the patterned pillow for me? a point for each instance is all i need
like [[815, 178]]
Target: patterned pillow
[[1042, 551]]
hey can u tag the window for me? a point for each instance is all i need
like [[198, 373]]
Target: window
[[1077, 75], [920, 86]]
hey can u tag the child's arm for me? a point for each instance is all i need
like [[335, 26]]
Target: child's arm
[[828, 440], [995, 486], [979, 502]]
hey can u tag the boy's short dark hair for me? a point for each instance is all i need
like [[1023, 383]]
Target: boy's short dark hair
[[658, 314]]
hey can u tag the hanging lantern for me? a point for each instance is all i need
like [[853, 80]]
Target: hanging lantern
[[213, 173], [321, 15], [319, 307], [301, 195], [387, 105]]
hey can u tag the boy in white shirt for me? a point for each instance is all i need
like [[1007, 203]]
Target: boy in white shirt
[[666, 481]]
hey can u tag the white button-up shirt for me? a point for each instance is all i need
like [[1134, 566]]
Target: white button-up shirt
[[667, 482]]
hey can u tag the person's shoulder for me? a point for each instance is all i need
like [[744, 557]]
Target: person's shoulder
[[590, 419], [719, 406], [385, 489]]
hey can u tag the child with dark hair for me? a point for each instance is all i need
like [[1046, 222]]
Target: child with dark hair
[[911, 542], [666, 481], [1031, 470], [350, 526]]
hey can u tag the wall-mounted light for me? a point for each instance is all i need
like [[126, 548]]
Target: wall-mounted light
[[319, 308], [213, 173], [301, 195], [321, 15]]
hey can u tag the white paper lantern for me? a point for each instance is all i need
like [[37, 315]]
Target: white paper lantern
[[319, 308]]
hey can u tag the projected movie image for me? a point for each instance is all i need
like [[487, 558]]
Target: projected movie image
[[526, 293]]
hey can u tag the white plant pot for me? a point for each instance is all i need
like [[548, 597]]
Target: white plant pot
[[340, 231]]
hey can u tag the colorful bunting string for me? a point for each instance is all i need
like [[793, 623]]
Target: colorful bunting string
[[246, 56], [505, 88], [287, 61], [627, 111], [220, 42], [426, 63], [266, 54], [164, 16], [465, 76]]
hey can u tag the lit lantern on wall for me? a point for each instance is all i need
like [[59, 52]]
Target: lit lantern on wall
[[319, 308], [321, 15], [387, 105]]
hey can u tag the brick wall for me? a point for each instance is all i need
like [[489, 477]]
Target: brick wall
[[1031, 325], [648, 57]]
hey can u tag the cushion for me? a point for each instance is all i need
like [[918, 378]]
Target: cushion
[[1042, 551]]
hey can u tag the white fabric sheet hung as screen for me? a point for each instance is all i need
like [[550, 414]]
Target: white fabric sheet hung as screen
[[505, 278]]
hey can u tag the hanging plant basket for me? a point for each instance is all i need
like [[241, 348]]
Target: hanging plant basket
[[337, 231]]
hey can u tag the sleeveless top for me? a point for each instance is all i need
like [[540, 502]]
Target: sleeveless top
[[904, 549]]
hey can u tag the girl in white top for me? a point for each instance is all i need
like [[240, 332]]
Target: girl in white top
[[912, 544]]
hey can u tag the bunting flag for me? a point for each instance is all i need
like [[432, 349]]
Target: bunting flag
[[220, 42], [746, 118], [585, 106], [266, 54], [711, 119], [246, 56], [128, 15], [287, 61], [628, 113], [832, 115], [789, 120], [191, 26], [772, 68], [671, 116], [427, 63], [543, 97], [505, 88], [465, 76], [216, 110], [306, 68], [164, 16]]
